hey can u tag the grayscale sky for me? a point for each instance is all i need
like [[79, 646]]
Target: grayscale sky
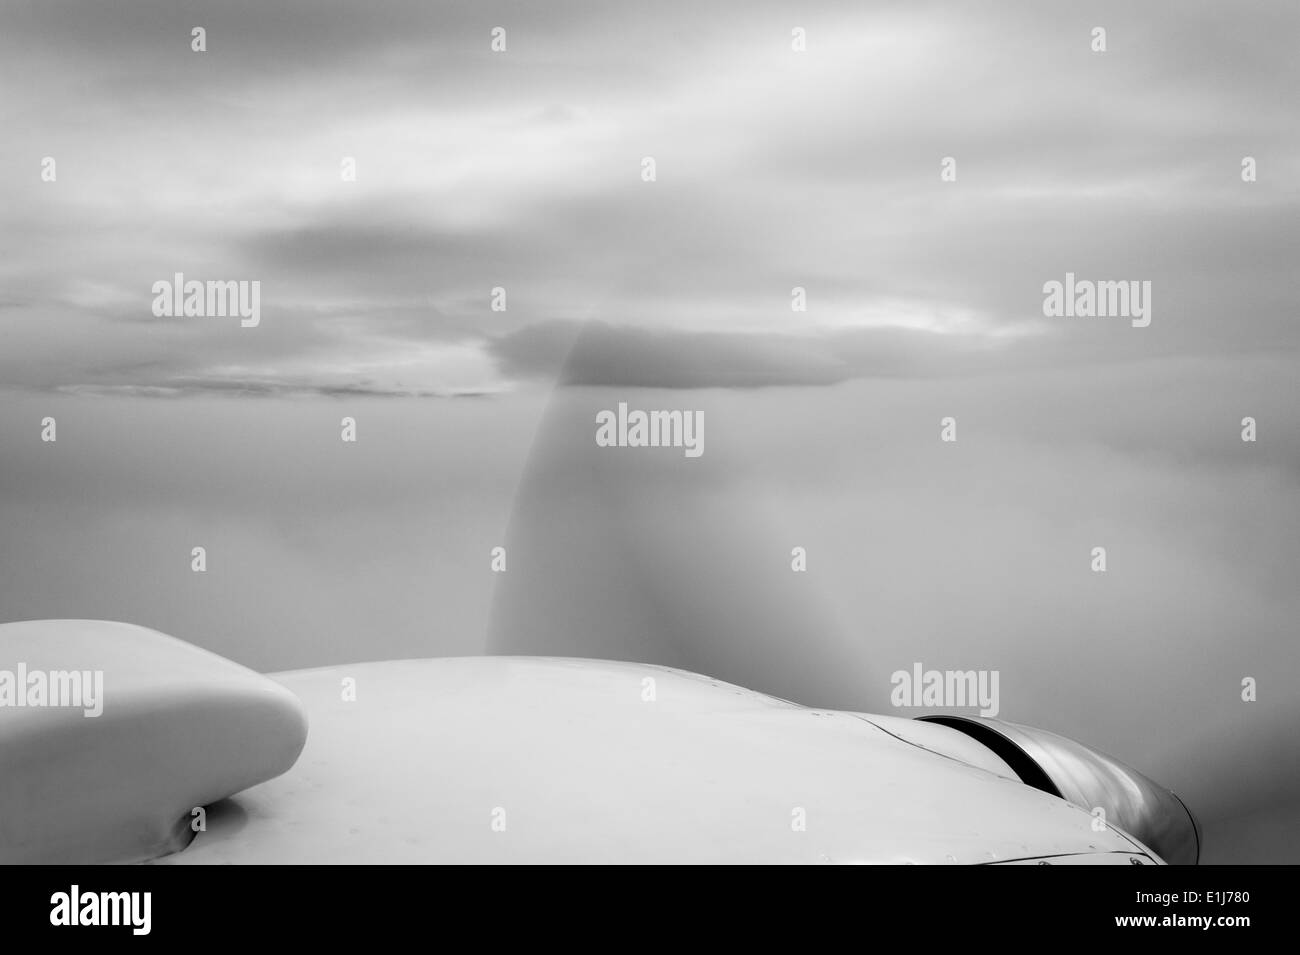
[[522, 169]]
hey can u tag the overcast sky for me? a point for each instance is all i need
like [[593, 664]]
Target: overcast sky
[[522, 169]]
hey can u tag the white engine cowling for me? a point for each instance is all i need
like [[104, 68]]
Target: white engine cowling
[[1090, 780]]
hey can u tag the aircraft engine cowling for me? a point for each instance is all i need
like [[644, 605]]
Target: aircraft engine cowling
[[1090, 780]]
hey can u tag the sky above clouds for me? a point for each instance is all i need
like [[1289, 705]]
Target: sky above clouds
[[775, 169]]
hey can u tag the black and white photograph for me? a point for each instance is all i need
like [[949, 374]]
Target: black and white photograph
[[694, 433]]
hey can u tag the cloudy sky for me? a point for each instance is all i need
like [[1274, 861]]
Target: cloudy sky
[[522, 169], [774, 169]]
